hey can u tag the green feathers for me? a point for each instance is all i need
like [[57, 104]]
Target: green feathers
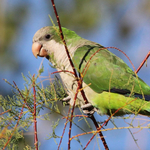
[[104, 71], [118, 105], [118, 88]]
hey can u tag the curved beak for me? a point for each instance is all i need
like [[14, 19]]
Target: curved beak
[[38, 50]]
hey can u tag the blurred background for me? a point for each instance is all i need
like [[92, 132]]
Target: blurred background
[[124, 24]]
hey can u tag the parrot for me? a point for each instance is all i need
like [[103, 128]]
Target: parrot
[[109, 84]]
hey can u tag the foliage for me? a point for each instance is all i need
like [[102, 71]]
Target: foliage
[[18, 110]]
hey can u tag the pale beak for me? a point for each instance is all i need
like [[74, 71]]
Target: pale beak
[[38, 50]]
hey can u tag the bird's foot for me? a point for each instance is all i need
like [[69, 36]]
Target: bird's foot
[[66, 100], [88, 109], [102, 122]]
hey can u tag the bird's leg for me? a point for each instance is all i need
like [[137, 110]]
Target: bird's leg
[[143, 62], [88, 109]]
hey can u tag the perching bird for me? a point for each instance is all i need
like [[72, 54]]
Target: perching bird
[[108, 82]]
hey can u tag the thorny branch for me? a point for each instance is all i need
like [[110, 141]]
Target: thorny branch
[[79, 81]]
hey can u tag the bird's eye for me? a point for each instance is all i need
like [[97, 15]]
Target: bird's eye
[[47, 36]]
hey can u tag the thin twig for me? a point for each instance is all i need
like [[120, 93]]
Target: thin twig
[[77, 116], [5, 111], [72, 111], [64, 129], [34, 116], [18, 118], [100, 133], [23, 97], [63, 71], [143, 62], [124, 54], [14, 127]]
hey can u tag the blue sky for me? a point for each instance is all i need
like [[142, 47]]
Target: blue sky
[[136, 47]]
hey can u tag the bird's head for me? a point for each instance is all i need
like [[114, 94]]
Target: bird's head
[[47, 41], [44, 41]]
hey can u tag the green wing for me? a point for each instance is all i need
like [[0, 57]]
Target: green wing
[[104, 71]]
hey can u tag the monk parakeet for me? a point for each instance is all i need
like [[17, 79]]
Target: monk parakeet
[[109, 84]]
